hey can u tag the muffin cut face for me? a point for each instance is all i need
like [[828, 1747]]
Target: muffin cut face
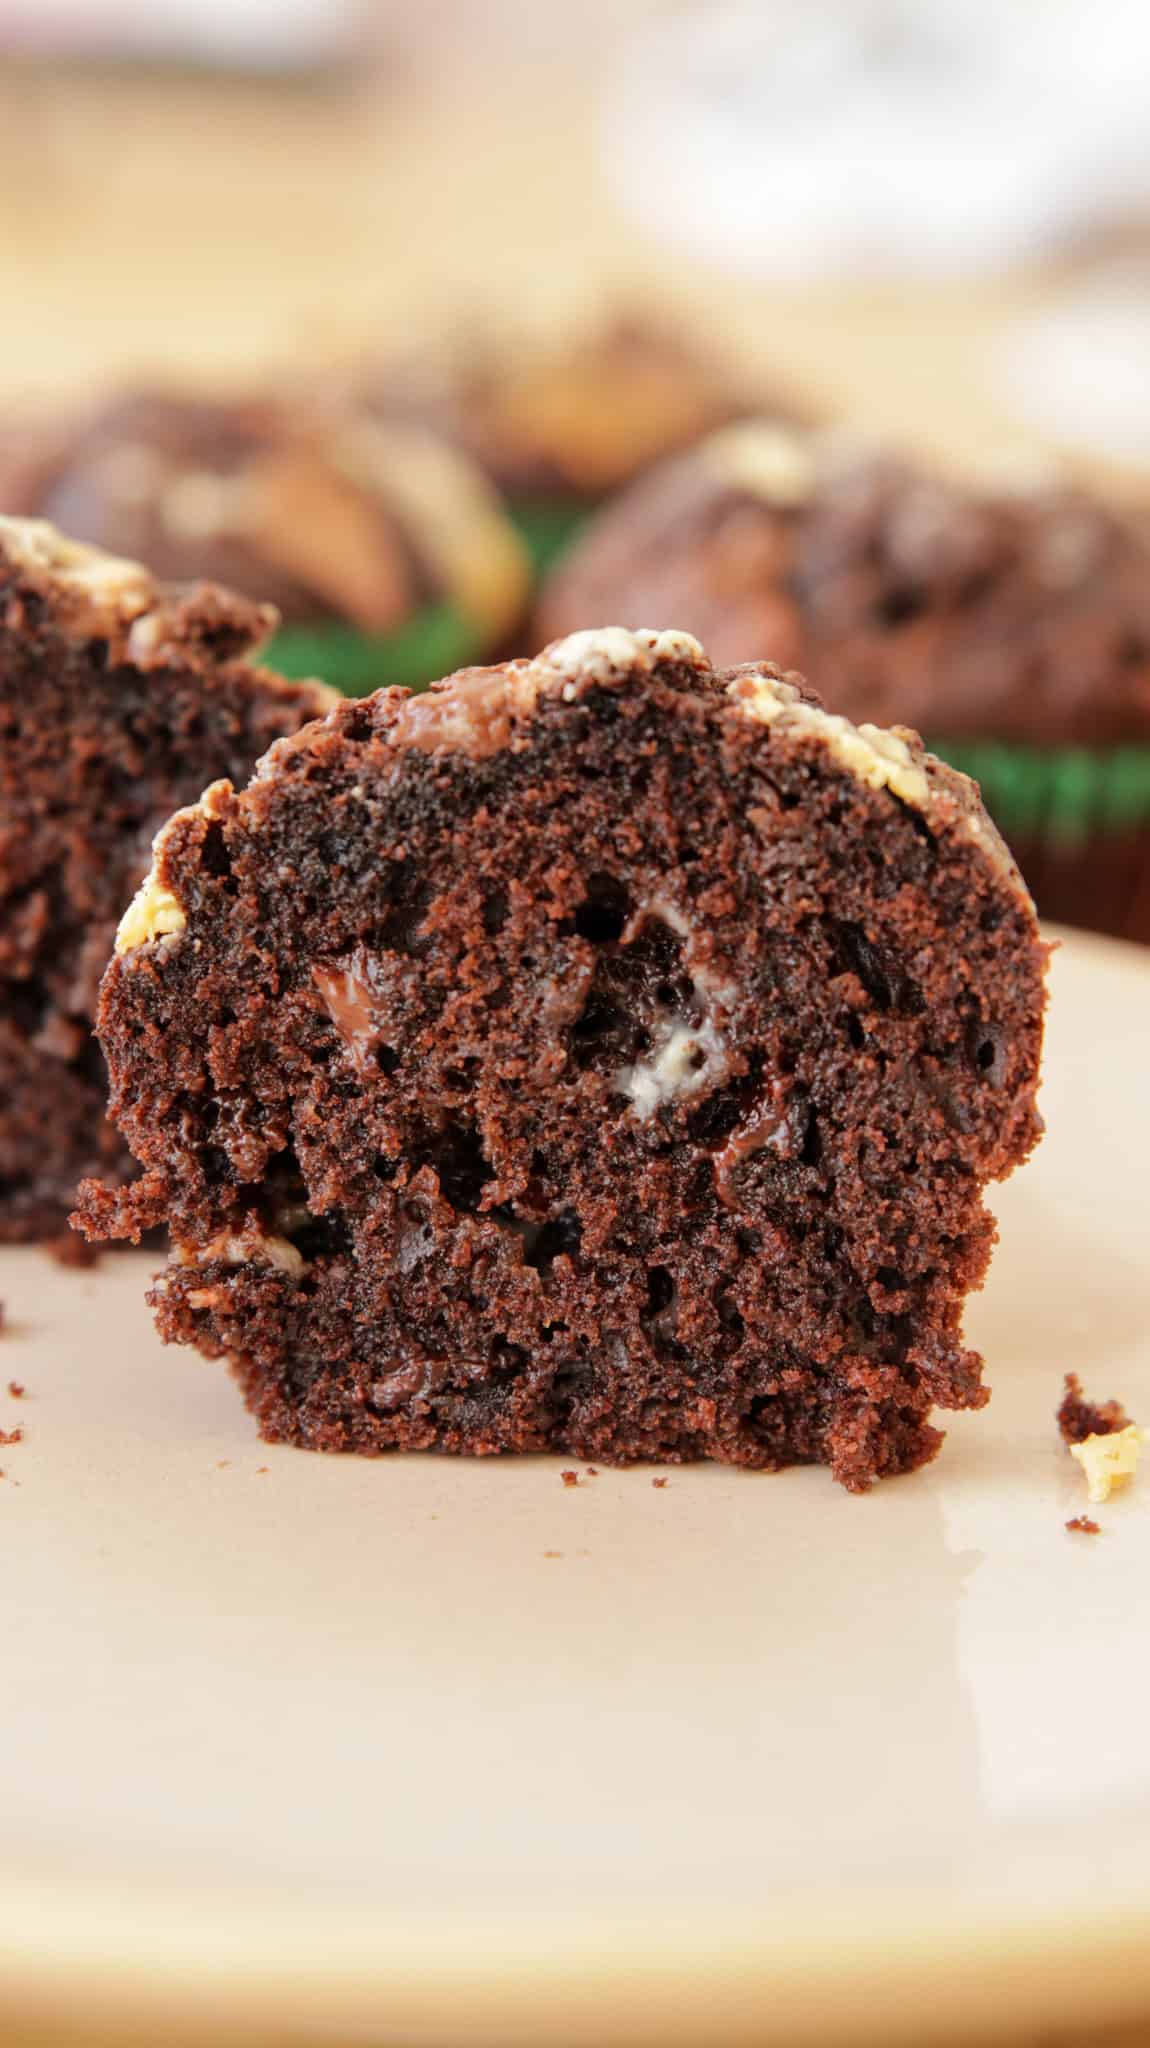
[[118, 700], [599, 1054]]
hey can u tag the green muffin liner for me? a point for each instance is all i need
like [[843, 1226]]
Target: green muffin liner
[[434, 643], [1064, 794], [438, 640], [547, 527]]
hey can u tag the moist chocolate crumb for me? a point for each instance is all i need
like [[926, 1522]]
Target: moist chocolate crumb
[[1079, 1418], [118, 702], [601, 1055], [658, 1482], [11, 1436], [17, 1389], [70, 1249], [1083, 1525]]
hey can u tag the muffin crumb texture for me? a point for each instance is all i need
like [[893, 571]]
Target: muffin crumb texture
[[574, 1060], [119, 700], [1079, 1418]]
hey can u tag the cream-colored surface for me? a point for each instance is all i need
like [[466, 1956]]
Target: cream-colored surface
[[153, 913], [200, 228], [454, 517], [603, 651], [768, 460], [417, 1751], [1108, 1460], [870, 752], [101, 586], [253, 1247]]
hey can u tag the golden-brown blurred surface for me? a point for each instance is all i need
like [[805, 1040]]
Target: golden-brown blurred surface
[[153, 223]]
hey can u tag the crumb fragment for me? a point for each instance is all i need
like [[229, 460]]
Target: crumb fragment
[[11, 1436], [658, 1482], [1084, 1525], [552, 1553], [1108, 1459], [569, 1478], [592, 1471], [17, 1389], [262, 1468], [222, 1464], [1079, 1418], [70, 1249]]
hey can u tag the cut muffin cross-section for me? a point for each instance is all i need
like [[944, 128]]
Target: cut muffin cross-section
[[118, 701], [600, 1054]]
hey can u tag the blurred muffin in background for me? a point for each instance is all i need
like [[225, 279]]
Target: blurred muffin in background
[[386, 551], [1010, 626], [559, 420]]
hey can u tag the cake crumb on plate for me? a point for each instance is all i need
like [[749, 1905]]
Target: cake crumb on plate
[[1079, 1418]]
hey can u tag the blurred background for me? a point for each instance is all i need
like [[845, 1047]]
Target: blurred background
[[452, 279], [911, 209]]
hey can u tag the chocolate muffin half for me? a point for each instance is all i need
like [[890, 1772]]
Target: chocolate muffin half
[[117, 702], [382, 546], [598, 1054], [561, 413], [1011, 626]]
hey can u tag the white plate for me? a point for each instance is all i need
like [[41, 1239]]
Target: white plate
[[432, 1751]]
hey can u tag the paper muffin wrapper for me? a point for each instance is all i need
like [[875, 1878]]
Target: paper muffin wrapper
[[1078, 822], [432, 644]]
